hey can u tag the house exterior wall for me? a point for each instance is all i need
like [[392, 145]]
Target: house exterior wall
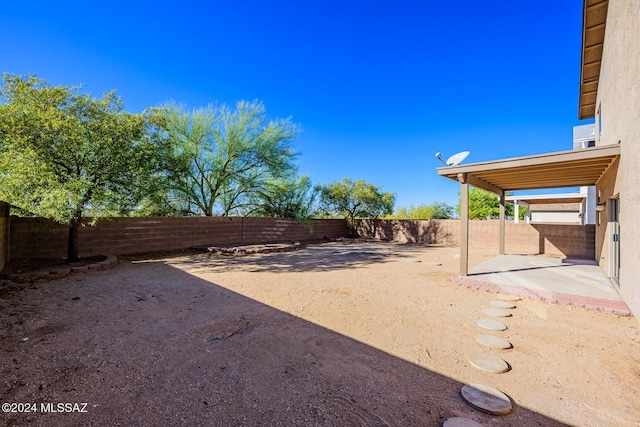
[[555, 216], [589, 205], [618, 112], [556, 212]]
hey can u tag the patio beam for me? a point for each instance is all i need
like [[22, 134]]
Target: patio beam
[[480, 183]]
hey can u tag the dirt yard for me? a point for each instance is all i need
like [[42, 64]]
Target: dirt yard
[[337, 334]]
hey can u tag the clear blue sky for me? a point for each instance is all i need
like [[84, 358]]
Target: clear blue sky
[[377, 86]]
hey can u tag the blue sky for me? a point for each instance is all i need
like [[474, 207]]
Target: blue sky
[[378, 87]]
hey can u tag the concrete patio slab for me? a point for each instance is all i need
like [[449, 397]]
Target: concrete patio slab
[[576, 282], [543, 273]]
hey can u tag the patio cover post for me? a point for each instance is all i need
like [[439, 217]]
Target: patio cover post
[[502, 221], [464, 224]]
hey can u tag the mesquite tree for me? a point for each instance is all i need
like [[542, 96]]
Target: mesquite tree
[[223, 158], [356, 199], [65, 155]]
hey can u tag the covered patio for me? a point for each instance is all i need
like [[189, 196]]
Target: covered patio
[[540, 275]]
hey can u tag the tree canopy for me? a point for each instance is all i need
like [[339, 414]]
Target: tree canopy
[[223, 158], [288, 198], [485, 205], [356, 199], [65, 155], [436, 210]]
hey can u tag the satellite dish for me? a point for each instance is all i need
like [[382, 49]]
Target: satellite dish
[[457, 158]]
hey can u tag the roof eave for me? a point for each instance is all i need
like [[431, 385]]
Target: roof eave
[[594, 18]]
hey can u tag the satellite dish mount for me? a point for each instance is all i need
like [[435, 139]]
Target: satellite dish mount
[[454, 160]]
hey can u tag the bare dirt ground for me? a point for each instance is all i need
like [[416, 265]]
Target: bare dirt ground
[[337, 334]]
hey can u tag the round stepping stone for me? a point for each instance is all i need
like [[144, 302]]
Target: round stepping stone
[[492, 325], [497, 312], [488, 363], [460, 422], [505, 297], [493, 341], [501, 304], [487, 399]]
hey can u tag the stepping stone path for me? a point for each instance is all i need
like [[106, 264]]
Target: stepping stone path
[[505, 297], [488, 363], [501, 304], [482, 397], [492, 325], [460, 422], [497, 312], [487, 399], [493, 342]]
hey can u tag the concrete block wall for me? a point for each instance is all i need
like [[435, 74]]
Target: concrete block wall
[[39, 238], [258, 230], [571, 240], [36, 238], [408, 231]]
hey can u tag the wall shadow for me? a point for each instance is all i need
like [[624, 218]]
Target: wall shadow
[[413, 231], [570, 240], [148, 344]]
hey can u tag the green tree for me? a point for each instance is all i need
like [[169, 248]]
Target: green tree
[[485, 205], [288, 198], [222, 158], [437, 210], [65, 155], [356, 199]]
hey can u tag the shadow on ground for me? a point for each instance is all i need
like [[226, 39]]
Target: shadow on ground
[[148, 344], [314, 257]]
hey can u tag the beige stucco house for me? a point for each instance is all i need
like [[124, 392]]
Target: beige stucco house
[[610, 94]]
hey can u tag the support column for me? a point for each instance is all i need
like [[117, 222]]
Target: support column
[[464, 225], [502, 221], [516, 211]]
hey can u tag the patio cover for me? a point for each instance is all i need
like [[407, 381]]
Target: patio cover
[[571, 168], [548, 199]]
